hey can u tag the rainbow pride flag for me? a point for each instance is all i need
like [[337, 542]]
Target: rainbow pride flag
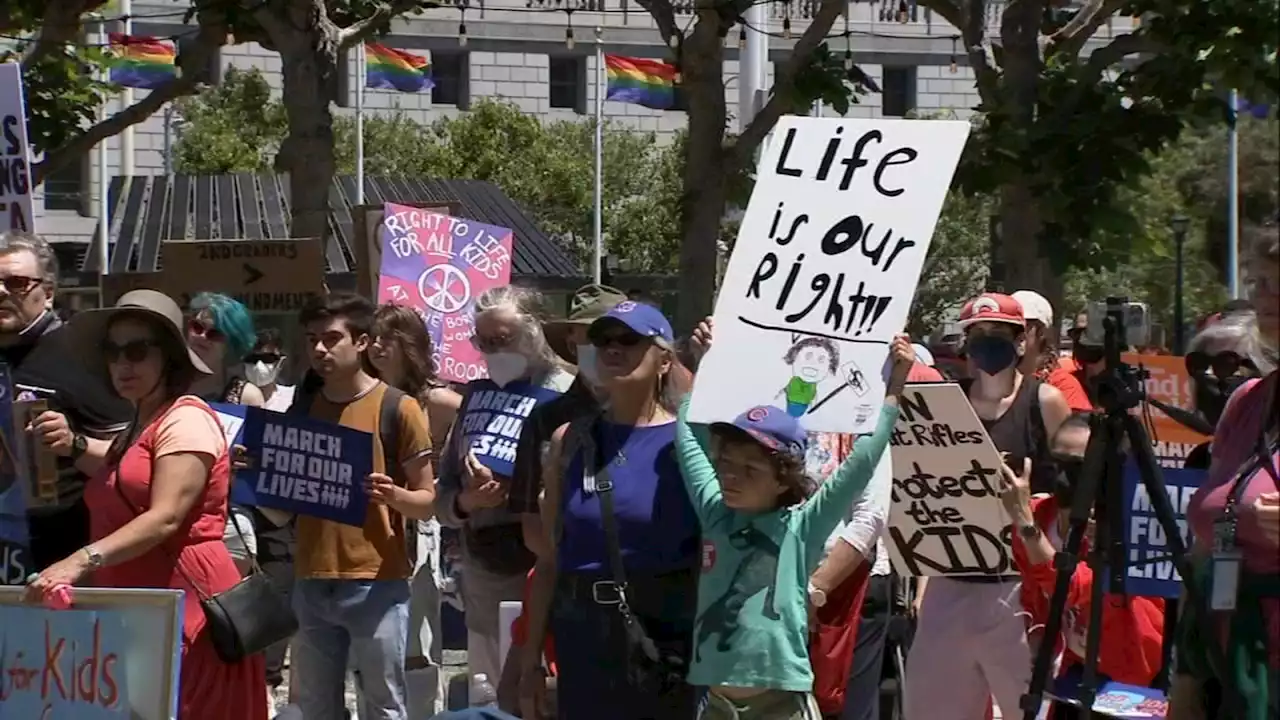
[[141, 62], [641, 81], [395, 69]]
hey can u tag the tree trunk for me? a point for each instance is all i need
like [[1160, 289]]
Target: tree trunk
[[705, 185], [1021, 224], [310, 60]]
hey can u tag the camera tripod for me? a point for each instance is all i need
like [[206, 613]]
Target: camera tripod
[[1098, 491]]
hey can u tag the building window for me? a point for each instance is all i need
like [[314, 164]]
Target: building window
[[451, 73], [64, 188], [899, 96], [568, 83]]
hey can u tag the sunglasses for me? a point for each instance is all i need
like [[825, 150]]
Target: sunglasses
[[134, 351], [621, 339], [204, 330], [268, 358], [492, 344], [1224, 364], [19, 284]]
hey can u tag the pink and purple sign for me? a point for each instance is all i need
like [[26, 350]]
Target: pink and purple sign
[[438, 264]]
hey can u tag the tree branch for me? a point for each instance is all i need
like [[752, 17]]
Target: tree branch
[[664, 14], [969, 17], [59, 27], [1072, 37], [361, 30], [212, 35], [1114, 52], [779, 98]]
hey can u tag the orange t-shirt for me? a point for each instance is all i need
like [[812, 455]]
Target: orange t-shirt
[[334, 551]]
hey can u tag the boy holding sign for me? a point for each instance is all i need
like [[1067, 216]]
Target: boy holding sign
[[352, 592]]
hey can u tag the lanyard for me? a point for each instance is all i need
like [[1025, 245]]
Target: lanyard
[[1263, 459]]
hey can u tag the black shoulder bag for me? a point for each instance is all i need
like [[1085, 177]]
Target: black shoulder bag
[[650, 668], [244, 619]]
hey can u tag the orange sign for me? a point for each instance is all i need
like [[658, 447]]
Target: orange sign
[[1170, 384]]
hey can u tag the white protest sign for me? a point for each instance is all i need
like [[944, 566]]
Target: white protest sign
[[825, 268], [15, 153], [946, 517]]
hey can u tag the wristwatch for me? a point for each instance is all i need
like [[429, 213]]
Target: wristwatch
[[817, 596], [95, 557], [1030, 531], [79, 443]]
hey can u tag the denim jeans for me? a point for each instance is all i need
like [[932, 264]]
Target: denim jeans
[[367, 619]]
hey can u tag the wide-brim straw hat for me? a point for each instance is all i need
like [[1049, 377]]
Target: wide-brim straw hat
[[88, 328]]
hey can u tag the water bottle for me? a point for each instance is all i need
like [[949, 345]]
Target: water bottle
[[481, 692]]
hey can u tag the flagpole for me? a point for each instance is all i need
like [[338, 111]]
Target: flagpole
[[104, 177], [126, 98], [360, 83], [598, 214], [1233, 200]]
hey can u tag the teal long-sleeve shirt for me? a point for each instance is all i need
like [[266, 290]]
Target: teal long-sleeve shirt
[[752, 625]]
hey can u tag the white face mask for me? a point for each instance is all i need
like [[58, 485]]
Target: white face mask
[[506, 367], [261, 373], [587, 367]]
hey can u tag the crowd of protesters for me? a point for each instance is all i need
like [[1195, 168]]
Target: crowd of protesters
[[631, 536]]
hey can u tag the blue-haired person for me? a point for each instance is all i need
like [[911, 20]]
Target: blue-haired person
[[220, 331]]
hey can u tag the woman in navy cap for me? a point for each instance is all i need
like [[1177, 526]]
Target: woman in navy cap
[[623, 512]]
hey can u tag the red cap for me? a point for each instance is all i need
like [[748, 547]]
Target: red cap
[[992, 307]]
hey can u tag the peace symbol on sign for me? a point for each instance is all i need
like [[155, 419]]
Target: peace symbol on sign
[[444, 288]]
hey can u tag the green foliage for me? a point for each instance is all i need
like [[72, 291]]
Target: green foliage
[[825, 78], [1086, 135], [956, 268], [63, 92], [547, 169], [234, 127], [1149, 275]]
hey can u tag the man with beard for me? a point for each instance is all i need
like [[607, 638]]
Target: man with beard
[[83, 413]]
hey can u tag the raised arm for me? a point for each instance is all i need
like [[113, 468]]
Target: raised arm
[[828, 506], [695, 466]]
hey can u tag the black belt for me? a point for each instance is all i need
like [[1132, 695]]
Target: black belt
[[600, 589]]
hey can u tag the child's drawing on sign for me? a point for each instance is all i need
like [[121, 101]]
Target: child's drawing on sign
[[812, 360]]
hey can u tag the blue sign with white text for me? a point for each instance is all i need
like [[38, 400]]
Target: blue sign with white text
[[14, 564], [301, 465], [492, 418], [1150, 571]]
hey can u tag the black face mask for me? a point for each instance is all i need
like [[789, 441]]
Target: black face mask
[[1211, 394]]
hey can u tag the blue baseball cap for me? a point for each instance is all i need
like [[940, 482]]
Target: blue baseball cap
[[773, 428], [642, 318]]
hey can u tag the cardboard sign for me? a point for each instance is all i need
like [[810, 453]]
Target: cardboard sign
[[15, 563], [304, 466], [946, 517], [1170, 384], [113, 656], [825, 267], [367, 248], [40, 463], [438, 265], [15, 153], [492, 418], [1150, 571], [265, 275]]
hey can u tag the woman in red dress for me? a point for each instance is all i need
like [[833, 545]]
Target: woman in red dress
[[168, 533]]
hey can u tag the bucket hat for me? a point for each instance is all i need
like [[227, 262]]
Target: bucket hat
[[88, 328], [588, 304]]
